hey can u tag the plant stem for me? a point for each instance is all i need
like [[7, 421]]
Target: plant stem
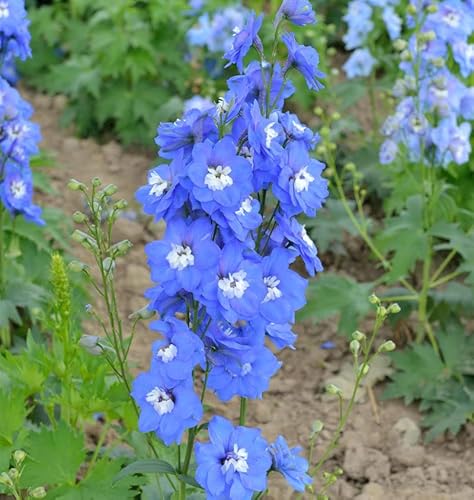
[[399, 298], [5, 338], [373, 104], [446, 278], [443, 265], [243, 411]]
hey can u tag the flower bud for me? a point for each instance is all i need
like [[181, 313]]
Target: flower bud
[[325, 131], [406, 55], [427, 36], [331, 28], [96, 182], [317, 426], [373, 299], [121, 204], [387, 346], [332, 146], [331, 52], [5, 479], [431, 9], [143, 313], [110, 190], [80, 236], [394, 308], [38, 492], [321, 150], [382, 312], [108, 264], [350, 167], [335, 71], [336, 116], [354, 347], [438, 62], [13, 474], [323, 40], [318, 111], [18, 457], [400, 44], [359, 336], [79, 217], [411, 9], [334, 390], [74, 185], [90, 343], [121, 248], [364, 369], [76, 267]]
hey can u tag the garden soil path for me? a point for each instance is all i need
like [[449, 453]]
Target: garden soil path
[[381, 452]]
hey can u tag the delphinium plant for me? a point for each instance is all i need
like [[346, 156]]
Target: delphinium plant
[[238, 175], [424, 245], [19, 139]]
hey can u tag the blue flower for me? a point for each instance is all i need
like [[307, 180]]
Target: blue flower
[[239, 222], [300, 187], [221, 178], [360, 63], [392, 22], [288, 462], [304, 59], [199, 103], [16, 193], [388, 152], [193, 128], [359, 22], [464, 55], [299, 12], [237, 289], [234, 464], [14, 35], [296, 131], [285, 288], [290, 232], [281, 335], [166, 409], [243, 40], [241, 372], [164, 194], [453, 141], [242, 335], [184, 257], [175, 357]]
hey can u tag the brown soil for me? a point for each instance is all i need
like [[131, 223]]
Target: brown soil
[[381, 452]]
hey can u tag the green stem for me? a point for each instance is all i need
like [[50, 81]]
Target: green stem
[[243, 411], [5, 337], [446, 278], [373, 105], [443, 265], [399, 298]]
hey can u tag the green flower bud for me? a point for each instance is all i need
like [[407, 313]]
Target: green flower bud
[[387, 346], [121, 248], [110, 190], [431, 9], [405, 56], [79, 217], [336, 116], [18, 457], [321, 150], [331, 52], [325, 131], [143, 313], [38, 492], [350, 167], [74, 185], [364, 369], [109, 265], [90, 343], [79, 236], [373, 299], [317, 426], [96, 182], [331, 28], [355, 347], [5, 479], [334, 72], [121, 204], [400, 44], [438, 62], [333, 390], [411, 9], [394, 308], [318, 111], [13, 474], [76, 267], [359, 336]]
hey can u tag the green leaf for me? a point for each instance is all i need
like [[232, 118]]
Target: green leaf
[[54, 456], [331, 294], [152, 466]]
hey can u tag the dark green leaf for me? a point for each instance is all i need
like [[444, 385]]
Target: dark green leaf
[[152, 466]]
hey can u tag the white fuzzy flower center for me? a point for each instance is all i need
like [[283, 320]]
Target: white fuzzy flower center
[[234, 285], [218, 178], [4, 10], [302, 180], [167, 354], [160, 400], [180, 257], [306, 238], [298, 127], [236, 459], [245, 208], [270, 134], [246, 368], [452, 19], [273, 292], [158, 185], [18, 189]]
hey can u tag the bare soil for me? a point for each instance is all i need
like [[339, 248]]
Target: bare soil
[[381, 452]]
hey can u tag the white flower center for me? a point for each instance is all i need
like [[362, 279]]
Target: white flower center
[[4, 10], [222, 106], [237, 459], [304, 235], [158, 185], [302, 180], [18, 189], [245, 208], [160, 400], [218, 178], [452, 19], [246, 368], [299, 128], [180, 257], [270, 134], [273, 292], [234, 285], [167, 354]]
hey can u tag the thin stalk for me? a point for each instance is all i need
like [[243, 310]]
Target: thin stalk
[[373, 104], [443, 265], [5, 337], [445, 279], [243, 411], [400, 298]]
